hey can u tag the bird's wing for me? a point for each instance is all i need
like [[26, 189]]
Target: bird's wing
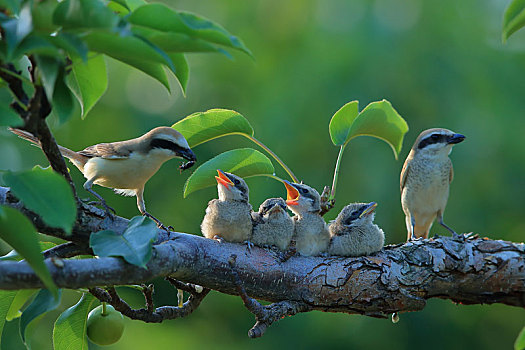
[[451, 173], [404, 173], [107, 151]]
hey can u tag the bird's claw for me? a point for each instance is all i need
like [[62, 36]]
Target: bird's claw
[[218, 238], [158, 222], [249, 245]]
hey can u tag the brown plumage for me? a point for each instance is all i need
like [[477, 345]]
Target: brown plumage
[[425, 180], [272, 226]]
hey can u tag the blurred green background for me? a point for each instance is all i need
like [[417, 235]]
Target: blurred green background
[[440, 63]]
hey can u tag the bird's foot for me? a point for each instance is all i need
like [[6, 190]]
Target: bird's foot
[[110, 212], [218, 238], [158, 222], [288, 254], [249, 245]]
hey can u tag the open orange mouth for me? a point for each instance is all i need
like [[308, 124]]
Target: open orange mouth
[[292, 195], [223, 179]]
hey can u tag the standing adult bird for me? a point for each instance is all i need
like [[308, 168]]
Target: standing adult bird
[[125, 166], [425, 181], [354, 233], [311, 232], [229, 217], [272, 225]]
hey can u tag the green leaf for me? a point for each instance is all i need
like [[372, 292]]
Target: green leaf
[[182, 70], [200, 127], [36, 44], [21, 297], [6, 299], [16, 29], [69, 332], [134, 245], [13, 255], [154, 70], [17, 231], [163, 18], [134, 4], [48, 67], [519, 344], [8, 117], [63, 100], [88, 81], [126, 48], [90, 14], [44, 302], [378, 119], [46, 193], [243, 162], [514, 18], [71, 43], [341, 122]]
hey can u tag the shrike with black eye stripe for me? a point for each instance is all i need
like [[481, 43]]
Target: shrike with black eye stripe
[[425, 181], [353, 232], [125, 166]]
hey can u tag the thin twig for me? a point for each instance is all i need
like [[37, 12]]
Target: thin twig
[[67, 250]]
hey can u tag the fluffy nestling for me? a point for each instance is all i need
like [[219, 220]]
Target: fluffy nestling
[[311, 232], [425, 181], [125, 166], [272, 225], [229, 217], [354, 233]]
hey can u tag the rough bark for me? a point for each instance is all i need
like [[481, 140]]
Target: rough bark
[[400, 278]]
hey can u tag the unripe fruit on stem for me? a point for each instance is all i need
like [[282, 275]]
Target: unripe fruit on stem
[[105, 328]]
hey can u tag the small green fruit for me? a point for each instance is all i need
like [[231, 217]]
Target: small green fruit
[[105, 329]]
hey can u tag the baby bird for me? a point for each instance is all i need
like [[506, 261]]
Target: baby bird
[[311, 232], [229, 217], [354, 232], [272, 224], [425, 181]]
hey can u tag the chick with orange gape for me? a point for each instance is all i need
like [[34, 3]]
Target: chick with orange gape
[[425, 181], [311, 232], [126, 166], [229, 217], [353, 232], [272, 226]]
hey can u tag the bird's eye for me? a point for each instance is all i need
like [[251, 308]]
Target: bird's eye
[[235, 181], [304, 191], [434, 136]]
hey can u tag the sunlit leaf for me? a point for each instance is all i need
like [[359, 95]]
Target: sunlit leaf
[[6, 299], [46, 193], [134, 245], [514, 18], [378, 119], [70, 328], [17, 231], [44, 302], [88, 81], [200, 127], [243, 162], [519, 344], [154, 70], [21, 297], [341, 122]]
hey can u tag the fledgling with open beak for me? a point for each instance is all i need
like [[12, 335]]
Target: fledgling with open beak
[[229, 217], [272, 225], [425, 181], [126, 166], [354, 233], [311, 232]]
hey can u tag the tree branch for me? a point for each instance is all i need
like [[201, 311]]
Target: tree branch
[[400, 278]]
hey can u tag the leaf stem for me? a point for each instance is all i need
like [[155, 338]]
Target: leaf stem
[[263, 146], [104, 311], [336, 171], [16, 75]]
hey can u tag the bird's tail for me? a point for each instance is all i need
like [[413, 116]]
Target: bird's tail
[[66, 152]]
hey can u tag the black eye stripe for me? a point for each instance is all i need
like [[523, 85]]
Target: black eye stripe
[[165, 144], [432, 139]]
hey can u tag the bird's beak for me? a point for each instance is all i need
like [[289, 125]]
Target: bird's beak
[[223, 179], [187, 154], [456, 138], [292, 195], [275, 209], [369, 209]]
